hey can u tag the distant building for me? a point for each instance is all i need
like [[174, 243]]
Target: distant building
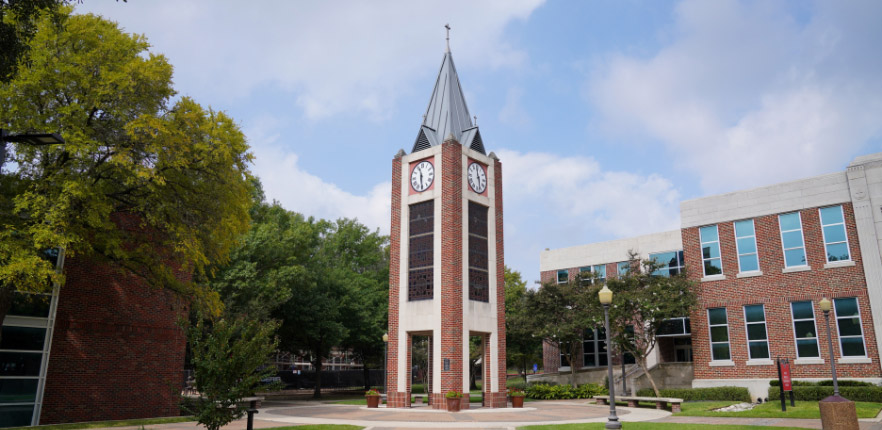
[[762, 259]]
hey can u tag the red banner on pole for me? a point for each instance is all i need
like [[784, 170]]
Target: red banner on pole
[[785, 376]]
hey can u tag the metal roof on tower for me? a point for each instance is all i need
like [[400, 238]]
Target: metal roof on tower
[[447, 114]]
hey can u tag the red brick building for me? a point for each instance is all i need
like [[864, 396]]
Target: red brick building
[[761, 260], [102, 347], [446, 271]]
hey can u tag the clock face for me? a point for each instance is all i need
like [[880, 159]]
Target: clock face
[[477, 178], [422, 176]]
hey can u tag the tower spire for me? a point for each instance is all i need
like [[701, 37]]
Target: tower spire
[[447, 26]]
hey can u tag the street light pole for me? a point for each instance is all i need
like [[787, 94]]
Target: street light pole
[[612, 422], [826, 305]]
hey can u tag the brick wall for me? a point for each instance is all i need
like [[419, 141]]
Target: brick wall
[[775, 290], [451, 266], [500, 287], [394, 268], [117, 352]]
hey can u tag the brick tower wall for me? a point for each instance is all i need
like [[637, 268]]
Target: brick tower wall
[[499, 400], [117, 351], [451, 267], [394, 270]]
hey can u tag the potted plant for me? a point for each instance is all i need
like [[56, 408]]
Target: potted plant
[[517, 398], [373, 398], [453, 399]]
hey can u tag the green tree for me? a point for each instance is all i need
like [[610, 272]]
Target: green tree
[[642, 302], [18, 20], [521, 344], [229, 358], [563, 312], [150, 188]]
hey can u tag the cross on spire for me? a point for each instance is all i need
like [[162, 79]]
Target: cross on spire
[[447, 26]]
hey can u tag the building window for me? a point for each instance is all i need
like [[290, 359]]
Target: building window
[[563, 357], [585, 273], [710, 250], [594, 348], [675, 327], [757, 337], [791, 239], [682, 349], [835, 239], [804, 330], [848, 321], [600, 271], [623, 267], [670, 263], [563, 276], [421, 249], [479, 273], [719, 333], [745, 243]]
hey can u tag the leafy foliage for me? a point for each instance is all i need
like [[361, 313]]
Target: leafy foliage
[[229, 357], [737, 394], [521, 344], [826, 383], [153, 189], [643, 302], [557, 392], [855, 394]]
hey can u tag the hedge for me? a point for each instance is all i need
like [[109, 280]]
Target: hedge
[[825, 383], [815, 393], [554, 392], [738, 394]]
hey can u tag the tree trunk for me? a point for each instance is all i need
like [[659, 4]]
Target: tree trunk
[[642, 361], [524, 368], [317, 393], [367, 375], [7, 294]]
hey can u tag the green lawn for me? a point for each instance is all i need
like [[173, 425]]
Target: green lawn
[[803, 409], [318, 427], [654, 426], [119, 423]]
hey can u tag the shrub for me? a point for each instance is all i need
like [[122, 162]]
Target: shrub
[[825, 383], [453, 394], [517, 393], [518, 384], [555, 392], [738, 394], [371, 393], [817, 392]]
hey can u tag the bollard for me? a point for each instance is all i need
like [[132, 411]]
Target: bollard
[[251, 411]]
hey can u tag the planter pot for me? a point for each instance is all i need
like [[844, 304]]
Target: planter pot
[[453, 405], [373, 401], [517, 401]]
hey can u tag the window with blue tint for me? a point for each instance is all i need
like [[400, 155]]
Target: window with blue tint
[[719, 333], [745, 243], [710, 250], [623, 267], [848, 322], [791, 239], [804, 330], [563, 276], [757, 337], [585, 273], [670, 263], [600, 272], [835, 239]]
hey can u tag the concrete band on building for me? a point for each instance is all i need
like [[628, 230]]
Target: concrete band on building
[[761, 259]]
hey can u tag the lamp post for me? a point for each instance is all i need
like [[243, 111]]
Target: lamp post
[[385, 358], [825, 306], [612, 422]]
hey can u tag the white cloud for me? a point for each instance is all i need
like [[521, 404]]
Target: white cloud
[[551, 201], [746, 95], [338, 57]]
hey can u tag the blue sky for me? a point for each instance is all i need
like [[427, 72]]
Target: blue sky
[[605, 114]]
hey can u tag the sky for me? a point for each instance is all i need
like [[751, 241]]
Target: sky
[[604, 114]]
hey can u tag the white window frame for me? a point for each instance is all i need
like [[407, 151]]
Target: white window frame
[[796, 338], [590, 270], [557, 276], [747, 333], [801, 235], [738, 249], [710, 335], [824, 235], [861, 325], [594, 270], [719, 249]]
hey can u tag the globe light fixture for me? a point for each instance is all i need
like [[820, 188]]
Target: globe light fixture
[[825, 304], [605, 295]]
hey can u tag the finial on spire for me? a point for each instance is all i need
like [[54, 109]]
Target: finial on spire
[[476, 120], [447, 26]]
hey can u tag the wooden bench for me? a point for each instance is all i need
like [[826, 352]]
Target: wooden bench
[[660, 402]]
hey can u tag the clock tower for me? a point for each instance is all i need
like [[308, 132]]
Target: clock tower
[[446, 271]]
